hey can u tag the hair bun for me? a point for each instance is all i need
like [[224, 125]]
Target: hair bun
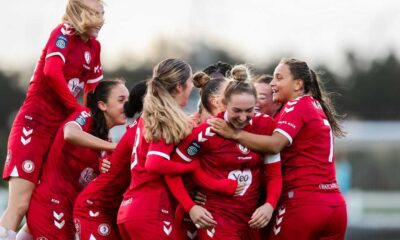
[[240, 73], [200, 79]]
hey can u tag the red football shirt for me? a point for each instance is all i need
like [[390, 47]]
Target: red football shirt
[[223, 158], [66, 171], [81, 69], [105, 192], [308, 162], [147, 195], [68, 168]]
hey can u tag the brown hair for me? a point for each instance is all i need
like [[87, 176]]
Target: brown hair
[[264, 78], [208, 87], [240, 75], [313, 86], [101, 93]]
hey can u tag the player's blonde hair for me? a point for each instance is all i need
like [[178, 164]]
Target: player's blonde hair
[[82, 17], [163, 117]]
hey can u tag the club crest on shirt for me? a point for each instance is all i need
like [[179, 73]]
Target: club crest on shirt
[[104, 229], [243, 149], [28, 166], [193, 148], [87, 57], [61, 41], [244, 176]]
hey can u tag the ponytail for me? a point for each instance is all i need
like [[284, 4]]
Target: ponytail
[[163, 117], [135, 102], [324, 100], [312, 85]]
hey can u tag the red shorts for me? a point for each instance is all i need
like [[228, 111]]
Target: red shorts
[[229, 233], [50, 220], [87, 229], [28, 145], [314, 215], [147, 229], [185, 229]]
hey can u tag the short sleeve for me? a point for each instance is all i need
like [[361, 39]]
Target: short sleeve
[[82, 119], [290, 120]]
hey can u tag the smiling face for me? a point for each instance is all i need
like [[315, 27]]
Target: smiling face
[[240, 109], [265, 104], [114, 107], [284, 87]]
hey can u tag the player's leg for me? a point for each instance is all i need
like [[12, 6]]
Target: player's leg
[[20, 192]]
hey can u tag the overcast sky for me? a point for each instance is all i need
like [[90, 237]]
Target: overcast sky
[[258, 30]]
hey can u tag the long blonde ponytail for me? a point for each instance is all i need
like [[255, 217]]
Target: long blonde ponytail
[[163, 117]]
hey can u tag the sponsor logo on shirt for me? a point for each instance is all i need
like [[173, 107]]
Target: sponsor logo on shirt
[[193, 148], [75, 86], [61, 41], [28, 166], [104, 229], [244, 176], [87, 175]]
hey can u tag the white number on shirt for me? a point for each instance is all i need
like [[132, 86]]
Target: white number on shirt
[[134, 150]]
